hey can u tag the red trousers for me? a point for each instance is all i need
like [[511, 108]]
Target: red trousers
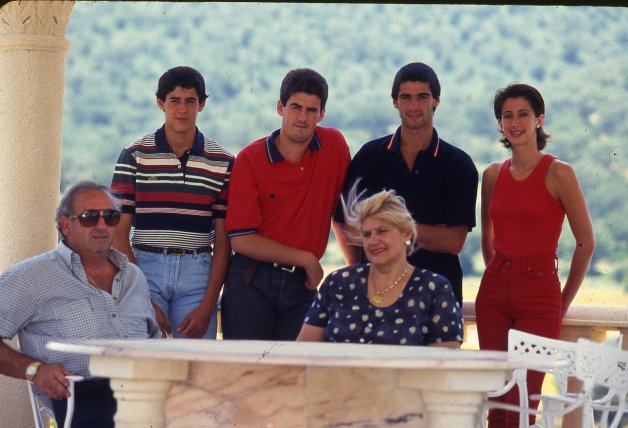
[[524, 294]]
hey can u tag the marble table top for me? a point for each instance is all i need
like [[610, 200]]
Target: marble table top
[[292, 353]]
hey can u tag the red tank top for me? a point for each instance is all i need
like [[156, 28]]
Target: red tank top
[[527, 219]]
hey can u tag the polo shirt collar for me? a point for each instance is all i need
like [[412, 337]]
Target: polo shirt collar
[[273, 153], [394, 143], [162, 142]]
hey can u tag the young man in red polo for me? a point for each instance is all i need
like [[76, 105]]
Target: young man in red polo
[[284, 189]]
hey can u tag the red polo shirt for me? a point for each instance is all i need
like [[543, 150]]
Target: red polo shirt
[[290, 204]]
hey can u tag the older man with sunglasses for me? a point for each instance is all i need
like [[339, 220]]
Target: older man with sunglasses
[[83, 289]]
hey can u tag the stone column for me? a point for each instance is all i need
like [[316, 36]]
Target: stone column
[[32, 63], [140, 386]]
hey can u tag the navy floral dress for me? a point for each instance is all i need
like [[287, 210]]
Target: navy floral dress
[[426, 311]]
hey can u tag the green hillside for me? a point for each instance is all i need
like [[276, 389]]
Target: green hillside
[[576, 56]]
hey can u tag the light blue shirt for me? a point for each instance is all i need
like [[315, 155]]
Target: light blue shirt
[[48, 298]]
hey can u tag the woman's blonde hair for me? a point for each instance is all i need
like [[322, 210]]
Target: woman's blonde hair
[[385, 205]]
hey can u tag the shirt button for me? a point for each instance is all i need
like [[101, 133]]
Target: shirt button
[[113, 315]]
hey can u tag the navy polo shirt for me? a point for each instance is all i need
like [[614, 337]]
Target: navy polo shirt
[[441, 188]]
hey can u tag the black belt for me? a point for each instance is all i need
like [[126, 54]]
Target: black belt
[[172, 250], [251, 267], [287, 268]]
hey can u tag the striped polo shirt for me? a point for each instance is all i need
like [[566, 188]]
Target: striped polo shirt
[[173, 200]]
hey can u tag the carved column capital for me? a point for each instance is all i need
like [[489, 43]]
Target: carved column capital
[[35, 25], [48, 18]]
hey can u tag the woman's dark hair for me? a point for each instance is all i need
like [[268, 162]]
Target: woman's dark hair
[[530, 94]]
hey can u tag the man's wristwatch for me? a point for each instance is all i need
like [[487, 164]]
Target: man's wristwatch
[[31, 370]]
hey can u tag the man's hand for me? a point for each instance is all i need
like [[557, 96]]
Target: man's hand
[[162, 321], [50, 378], [195, 324], [314, 272]]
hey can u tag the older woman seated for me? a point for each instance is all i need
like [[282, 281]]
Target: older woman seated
[[385, 301]]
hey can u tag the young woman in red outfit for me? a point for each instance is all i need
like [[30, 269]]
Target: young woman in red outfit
[[524, 203]]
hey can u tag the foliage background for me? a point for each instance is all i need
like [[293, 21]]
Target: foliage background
[[576, 56]]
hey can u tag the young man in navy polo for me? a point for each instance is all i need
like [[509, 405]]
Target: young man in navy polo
[[172, 184], [437, 180], [284, 190]]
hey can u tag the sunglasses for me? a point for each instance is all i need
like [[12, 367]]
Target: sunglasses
[[89, 218]]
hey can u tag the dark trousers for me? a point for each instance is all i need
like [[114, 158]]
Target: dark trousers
[[94, 405], [523, 294], [263, 302]]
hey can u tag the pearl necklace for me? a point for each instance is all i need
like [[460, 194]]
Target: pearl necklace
[[377, 297]]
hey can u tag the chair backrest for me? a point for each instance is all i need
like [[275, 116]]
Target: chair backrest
[[606, 366], [544, 351]]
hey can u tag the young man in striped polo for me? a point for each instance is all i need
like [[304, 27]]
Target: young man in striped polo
[[173, 185]]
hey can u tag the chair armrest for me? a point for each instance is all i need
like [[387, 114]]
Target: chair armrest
[[507, 387], [69, 413]]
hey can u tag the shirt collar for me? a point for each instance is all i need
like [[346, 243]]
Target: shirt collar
[[73, 260], [162, 142], [393, 143], [273, 153]]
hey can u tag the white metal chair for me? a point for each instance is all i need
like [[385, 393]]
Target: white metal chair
[[604, 366], [553, 356], [583, 361], [42, 411]]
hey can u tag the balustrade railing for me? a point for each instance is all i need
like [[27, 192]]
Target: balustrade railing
[[592, 322]]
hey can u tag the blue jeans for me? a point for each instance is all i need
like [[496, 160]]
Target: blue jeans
[[267, 304], [177, 284]]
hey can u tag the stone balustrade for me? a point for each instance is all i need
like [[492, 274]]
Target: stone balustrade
[[592, 322]]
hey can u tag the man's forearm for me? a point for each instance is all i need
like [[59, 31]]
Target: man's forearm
[[13, 363], [121, 242], [441, 239], [218, 272], [264, 249]]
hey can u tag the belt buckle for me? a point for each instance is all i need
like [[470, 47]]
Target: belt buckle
[[287, 268], [176, 251]]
